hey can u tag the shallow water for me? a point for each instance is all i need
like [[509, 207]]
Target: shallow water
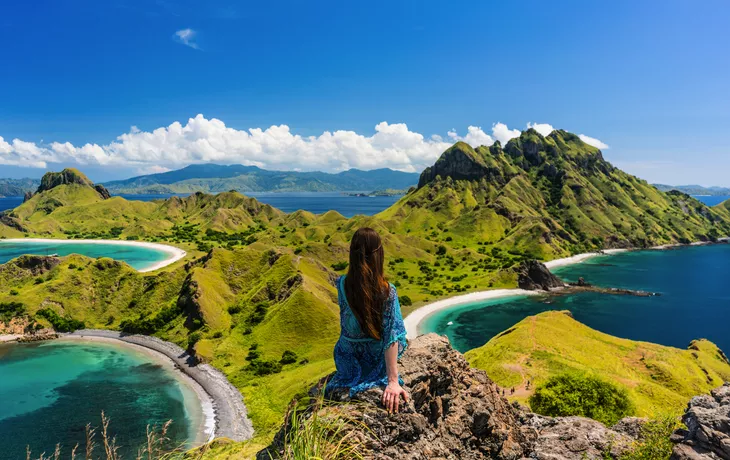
[[138, 257], [51, 390], [694, 301]]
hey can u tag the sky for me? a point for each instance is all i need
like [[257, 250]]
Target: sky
[[124, 87]]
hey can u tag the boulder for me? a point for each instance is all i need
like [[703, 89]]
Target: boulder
[[454, 412], [533, 275], [707, 436]]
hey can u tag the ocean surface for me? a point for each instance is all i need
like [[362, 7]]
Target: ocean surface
[[315, 202], [51, 390], [136, 256], [694, 301]]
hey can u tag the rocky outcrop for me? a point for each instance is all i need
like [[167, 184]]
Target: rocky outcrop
[[68, 176], [37, 265], [461, 162], [533, 275], [707, 436], [457, 412]]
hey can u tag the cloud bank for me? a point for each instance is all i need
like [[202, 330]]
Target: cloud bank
[[202, 140]]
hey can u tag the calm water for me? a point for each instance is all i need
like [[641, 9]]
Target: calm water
[[137, 257], [695, 301], [50, 391], [712, 200], [316, 202]]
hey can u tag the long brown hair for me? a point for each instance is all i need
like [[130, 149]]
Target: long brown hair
[[365, 286]]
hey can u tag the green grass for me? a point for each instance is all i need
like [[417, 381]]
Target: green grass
[[658, 379]]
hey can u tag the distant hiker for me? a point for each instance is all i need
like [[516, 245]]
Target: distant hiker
[[372, 333]]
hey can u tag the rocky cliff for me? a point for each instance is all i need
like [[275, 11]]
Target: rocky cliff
[[707, 436], [457, 412], [68, 176]]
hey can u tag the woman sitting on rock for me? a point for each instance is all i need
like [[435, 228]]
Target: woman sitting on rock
[[372, 336]]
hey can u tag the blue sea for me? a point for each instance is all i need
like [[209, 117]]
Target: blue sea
[[694, 301], [51, 390], [315, 202], [136, 256]]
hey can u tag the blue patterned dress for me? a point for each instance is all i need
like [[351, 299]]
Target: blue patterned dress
[[360, 359]]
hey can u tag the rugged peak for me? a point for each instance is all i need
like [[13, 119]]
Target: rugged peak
[[456, 411], [462, 162], [68, 176], [533, 275]]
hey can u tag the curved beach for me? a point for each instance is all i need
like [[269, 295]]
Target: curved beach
[[414, 320], [224, 412], [174, 253]]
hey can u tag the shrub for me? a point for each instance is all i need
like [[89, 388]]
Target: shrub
[[655, 440], [11, 310], [405, 301], [193, 339], [14, 292], [339, 266], [258, 314], [264, 367], [441, 250], [584, 396], [217, 334], [59, 323], [288, 357], [233, 309]]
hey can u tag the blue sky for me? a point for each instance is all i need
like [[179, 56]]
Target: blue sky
[[649, 79]]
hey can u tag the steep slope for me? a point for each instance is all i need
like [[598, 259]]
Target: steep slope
[[548, 197], [211, 178], [659, 379]]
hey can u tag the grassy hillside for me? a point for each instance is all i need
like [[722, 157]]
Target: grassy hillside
[[659, 379], [259, 282]]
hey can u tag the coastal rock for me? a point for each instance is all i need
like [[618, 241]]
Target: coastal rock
[[707, 436], [37, 265], [533, 275], [455, 412]]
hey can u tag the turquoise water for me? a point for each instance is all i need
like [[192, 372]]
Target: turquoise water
[[694, 301], [137, 257], [50, 391]]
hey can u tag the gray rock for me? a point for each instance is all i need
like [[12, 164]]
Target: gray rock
[[708, 428], [533, 275]]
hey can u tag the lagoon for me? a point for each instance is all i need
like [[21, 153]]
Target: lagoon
[[140, 256], [694, 301], [51, 390]]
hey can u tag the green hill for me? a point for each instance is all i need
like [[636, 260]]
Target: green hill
[[258, 282], [659, 379]]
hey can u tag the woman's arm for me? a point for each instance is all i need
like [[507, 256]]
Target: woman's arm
[[393, 392]]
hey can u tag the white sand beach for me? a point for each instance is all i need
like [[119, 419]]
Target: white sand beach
[[415, 319], [224, 413], [174, 253]]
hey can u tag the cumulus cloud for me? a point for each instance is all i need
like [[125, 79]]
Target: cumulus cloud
[[154, 169], [593, 141], [542, 128], [202, 140], [186, 37]]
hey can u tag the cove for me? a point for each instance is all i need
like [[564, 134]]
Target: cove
[[694, 301], [51, 390], [140, 256]]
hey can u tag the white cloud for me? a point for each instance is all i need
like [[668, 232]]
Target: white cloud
[[593, 141], [542, 128], [186, 37], [154, 169], [503, 134], [202, 140]]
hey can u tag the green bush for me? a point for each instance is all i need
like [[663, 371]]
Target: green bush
[[193, 339], [264, 367], [655, 440], [288, 357], [11, 310], [339, 266], [59, 323], [584, 396], [405, 301]]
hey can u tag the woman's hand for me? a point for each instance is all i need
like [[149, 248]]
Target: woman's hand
[[391, 396]]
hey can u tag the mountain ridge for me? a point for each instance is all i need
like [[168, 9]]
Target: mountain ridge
[[212, 178]]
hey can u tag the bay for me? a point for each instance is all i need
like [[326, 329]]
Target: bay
[[694, 301], [51, 390]]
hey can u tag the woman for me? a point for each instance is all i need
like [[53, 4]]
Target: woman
[[372, 335]]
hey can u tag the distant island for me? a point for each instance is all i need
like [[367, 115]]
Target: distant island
[[18, 187], [695, 189], [386, 192], [212, 178]]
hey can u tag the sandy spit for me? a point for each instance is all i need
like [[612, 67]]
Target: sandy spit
[[174, 254], [226, 415], [415, 319]]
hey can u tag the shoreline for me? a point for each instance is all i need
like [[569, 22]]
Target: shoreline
[[173, 252], [225, 415], [416, 318]]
